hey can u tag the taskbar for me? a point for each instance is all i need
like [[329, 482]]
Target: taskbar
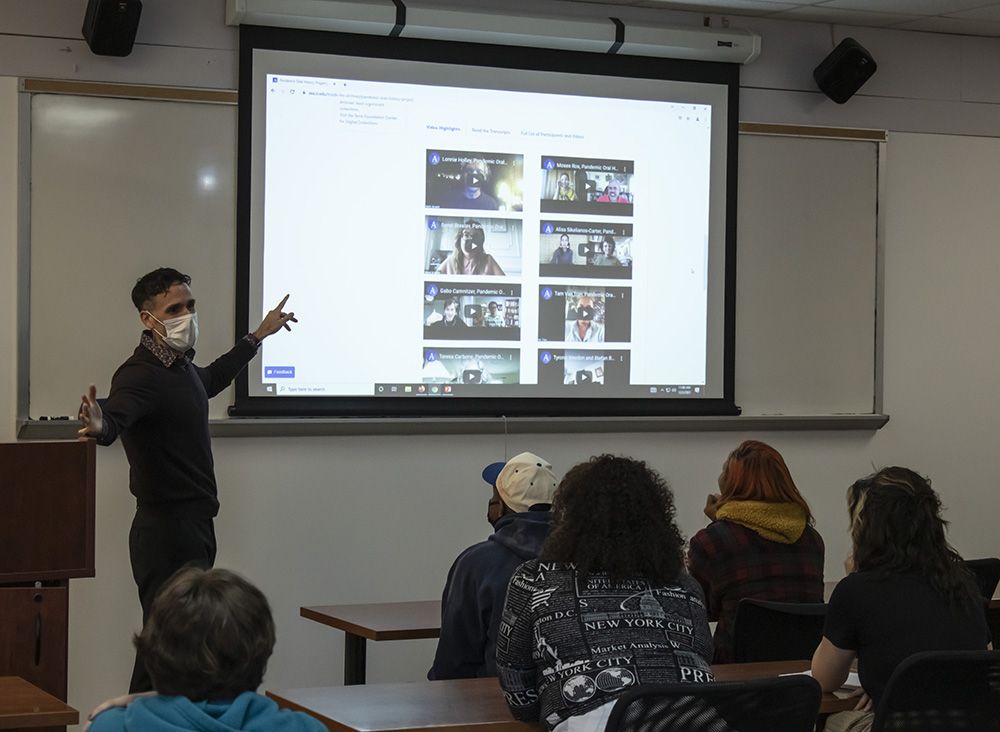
[[535, 390], [487, 390]]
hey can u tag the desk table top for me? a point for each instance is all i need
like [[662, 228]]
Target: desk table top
[[25, 705], [467, 704], [406, 620], [381, 621], [464, 704]]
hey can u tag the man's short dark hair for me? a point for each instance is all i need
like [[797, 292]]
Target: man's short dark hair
[[156, 283], [208, 637]]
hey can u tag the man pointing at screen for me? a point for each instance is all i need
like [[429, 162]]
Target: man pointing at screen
[[158, 405]]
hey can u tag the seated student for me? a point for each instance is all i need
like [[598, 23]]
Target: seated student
[[607, 606], [206, 645], [909, 592], [477, 582], [760, 543]]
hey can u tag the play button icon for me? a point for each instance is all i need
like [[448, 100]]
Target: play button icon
[[474, 178]]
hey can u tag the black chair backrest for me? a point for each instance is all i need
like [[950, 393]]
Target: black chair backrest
[[786, 704], [987, 573], [942, 690], [777, 631]]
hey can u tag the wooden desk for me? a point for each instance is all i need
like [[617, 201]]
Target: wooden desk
[[377, 622], [475, 704], [458, 705], [23, 705], [829, 704]]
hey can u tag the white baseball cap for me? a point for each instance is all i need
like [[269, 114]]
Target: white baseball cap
[[523, 481]]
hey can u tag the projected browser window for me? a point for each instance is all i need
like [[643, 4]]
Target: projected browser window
[[457, 241]]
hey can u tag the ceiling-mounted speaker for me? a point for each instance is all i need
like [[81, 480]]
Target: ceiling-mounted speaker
[[845, 70], [109, 26]]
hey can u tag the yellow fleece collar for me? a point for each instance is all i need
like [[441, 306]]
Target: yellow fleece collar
[[780, 522]]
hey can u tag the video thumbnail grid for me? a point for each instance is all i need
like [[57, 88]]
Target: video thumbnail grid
[[484, 239]]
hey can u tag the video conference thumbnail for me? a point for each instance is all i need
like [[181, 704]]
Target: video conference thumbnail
[[483, 181], [472, 247], [584, 314], [587, 185], [471, 366], [470, 312], [583, 249], [583, 368]]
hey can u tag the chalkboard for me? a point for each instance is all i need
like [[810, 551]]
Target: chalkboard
[[120, 186]]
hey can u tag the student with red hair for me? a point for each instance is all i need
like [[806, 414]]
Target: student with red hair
[[760, 542]]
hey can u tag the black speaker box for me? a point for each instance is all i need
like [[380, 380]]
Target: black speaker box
[[109, 26], [845, 70]]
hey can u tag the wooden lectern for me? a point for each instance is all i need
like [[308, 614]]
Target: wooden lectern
[[46, 539]]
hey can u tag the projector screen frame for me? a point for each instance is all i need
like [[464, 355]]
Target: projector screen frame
[[508, 57]]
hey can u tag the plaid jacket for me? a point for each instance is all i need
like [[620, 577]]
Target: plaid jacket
[[732, 562]]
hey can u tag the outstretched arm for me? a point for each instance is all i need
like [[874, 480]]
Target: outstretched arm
[[275, 320], [90, 415], [221, 372]]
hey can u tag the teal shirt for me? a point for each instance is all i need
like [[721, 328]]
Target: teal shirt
[[249, 711]]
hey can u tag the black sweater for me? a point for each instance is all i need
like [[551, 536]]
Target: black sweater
[[161, 414]]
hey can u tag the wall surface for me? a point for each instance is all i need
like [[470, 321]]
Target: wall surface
[[362, 519]]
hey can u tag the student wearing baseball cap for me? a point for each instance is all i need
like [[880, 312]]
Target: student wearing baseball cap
[[520, 512]]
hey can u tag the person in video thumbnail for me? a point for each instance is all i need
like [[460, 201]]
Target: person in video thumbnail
[[493, 318], [468, 191], [565, 191], [451, 317], [613, 193], [607, 256], [584, 329], [469, 257], [562, 255]]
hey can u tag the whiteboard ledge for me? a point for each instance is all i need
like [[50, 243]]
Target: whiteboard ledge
[[357, 426]]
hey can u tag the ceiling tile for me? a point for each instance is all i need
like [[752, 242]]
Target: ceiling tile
[[989, 12], [717, 6], [960, 26], [906, 7], [820, 14], [606, 2], [980, 56]]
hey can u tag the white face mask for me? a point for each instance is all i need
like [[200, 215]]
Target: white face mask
[[182, 331]]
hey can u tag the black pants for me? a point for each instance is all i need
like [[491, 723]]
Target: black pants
[[158, 547]]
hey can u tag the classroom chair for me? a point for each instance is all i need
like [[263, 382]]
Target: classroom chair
[[777, 631], [944, 691], [987, 573], [784, 704]]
